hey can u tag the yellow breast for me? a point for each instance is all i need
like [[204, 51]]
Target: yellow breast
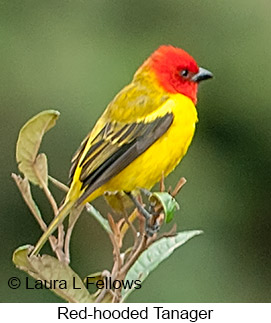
[[164, 155]]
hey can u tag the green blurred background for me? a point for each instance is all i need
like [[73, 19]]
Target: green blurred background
[[74, 56]]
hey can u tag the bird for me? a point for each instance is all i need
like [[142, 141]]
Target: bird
[[142, 135]]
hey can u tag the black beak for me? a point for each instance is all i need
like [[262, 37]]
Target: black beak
[[203, 74]]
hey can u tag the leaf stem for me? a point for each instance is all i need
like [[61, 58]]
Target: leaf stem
[[58, 184], [35, 211], [47, 192]]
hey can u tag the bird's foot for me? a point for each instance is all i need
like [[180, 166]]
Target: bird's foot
[[151, 229], [152, 203], [152, 226]]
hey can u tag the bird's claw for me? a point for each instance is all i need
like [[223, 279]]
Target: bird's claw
[[151, 229]]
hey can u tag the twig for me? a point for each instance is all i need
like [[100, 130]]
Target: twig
[[74, 215], [103, 293], [170, 233], [178, 186], [54, 207], [117, 260], [129, 223], [58, 184], [19, 182], [136, 254], [52, 239], [115, 239], [47, 192], [162, 183]]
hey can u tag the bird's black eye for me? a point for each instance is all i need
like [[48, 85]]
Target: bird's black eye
[[184, 73]]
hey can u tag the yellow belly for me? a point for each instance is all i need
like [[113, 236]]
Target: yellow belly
[[163, 156]]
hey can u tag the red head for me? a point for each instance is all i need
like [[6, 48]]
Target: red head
[[177, 71]]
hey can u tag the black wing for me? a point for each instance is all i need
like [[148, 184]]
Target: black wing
[[113, 149]]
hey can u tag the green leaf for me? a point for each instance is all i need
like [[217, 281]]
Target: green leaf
[[41, 167], [169, 204], [28, 145], [97, 215], [47, 268], [154, 255]]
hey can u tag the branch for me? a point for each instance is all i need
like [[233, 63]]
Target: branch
[[24, 188], [58, 184]]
